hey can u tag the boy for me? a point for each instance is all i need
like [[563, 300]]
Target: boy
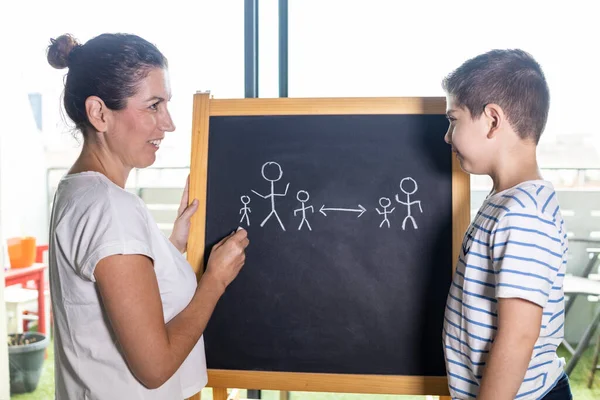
[[504, 315]]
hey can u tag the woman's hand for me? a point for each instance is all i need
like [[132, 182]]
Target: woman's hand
[[181, 227], [227, 258]]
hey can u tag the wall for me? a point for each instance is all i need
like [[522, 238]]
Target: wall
[[22, 166], [23, 203], [4, 376]]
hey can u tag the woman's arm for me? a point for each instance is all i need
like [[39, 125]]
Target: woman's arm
[[129, 289]]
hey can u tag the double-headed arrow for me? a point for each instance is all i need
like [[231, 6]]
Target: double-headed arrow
[[360, 210]]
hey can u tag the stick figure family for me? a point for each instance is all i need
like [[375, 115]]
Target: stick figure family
[[385, 202], [272, 172]]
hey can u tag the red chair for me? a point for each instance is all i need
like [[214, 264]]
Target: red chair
[[39, 253], [39, 258]]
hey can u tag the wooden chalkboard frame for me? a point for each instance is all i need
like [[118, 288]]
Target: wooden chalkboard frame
[[205, 107]]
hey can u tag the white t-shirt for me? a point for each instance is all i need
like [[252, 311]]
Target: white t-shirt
[[93, 218]]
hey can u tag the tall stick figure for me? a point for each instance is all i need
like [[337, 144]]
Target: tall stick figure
[[385, 203], [272, 172], [303, 197], [409, 203], [245, 201]]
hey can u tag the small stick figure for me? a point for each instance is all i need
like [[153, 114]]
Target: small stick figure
[[245, 201], [303, 197], [385, 203], [409, 203]]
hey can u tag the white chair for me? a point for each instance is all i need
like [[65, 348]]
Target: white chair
[[18, 300]]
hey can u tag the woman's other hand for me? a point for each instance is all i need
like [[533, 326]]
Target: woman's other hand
[[181, 227]]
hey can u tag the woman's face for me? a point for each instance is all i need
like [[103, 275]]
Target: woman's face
[[135, 133]]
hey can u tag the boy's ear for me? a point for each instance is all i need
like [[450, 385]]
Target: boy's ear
[[97, 113], [495, 118]]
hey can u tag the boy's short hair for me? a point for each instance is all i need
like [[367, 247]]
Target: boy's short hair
[[510, 78]]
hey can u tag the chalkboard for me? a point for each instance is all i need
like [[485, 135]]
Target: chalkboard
[[350, 219]]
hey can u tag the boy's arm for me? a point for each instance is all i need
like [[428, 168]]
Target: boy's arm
[[526, 254], [519, 323]]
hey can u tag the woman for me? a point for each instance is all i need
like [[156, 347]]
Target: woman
[[128, 312]]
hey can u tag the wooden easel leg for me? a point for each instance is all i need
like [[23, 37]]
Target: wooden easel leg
[[219, 393], [197, 396], [445, 398]]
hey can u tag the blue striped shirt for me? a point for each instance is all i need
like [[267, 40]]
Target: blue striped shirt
[[516, 247]]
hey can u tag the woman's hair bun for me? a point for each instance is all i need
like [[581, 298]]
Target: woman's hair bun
[[59, 50]]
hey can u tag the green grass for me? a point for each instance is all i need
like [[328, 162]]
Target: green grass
[[579, 379], [581, 374]]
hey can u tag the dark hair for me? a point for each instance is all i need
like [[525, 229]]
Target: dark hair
[[510, 78], [109, 66]]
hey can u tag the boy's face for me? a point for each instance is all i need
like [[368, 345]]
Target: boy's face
[[468, 138]]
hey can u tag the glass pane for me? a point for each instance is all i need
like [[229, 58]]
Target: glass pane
[[203, 41], [401, 48]]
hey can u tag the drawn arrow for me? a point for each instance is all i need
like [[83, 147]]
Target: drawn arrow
[[360, 210]]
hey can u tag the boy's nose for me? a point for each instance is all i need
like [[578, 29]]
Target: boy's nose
[[448, 137]]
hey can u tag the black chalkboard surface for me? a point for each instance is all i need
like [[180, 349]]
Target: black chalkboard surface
[[350, 226], [356, 213]]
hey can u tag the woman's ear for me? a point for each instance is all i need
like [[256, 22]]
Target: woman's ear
[[495, 118], [97, 113]]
